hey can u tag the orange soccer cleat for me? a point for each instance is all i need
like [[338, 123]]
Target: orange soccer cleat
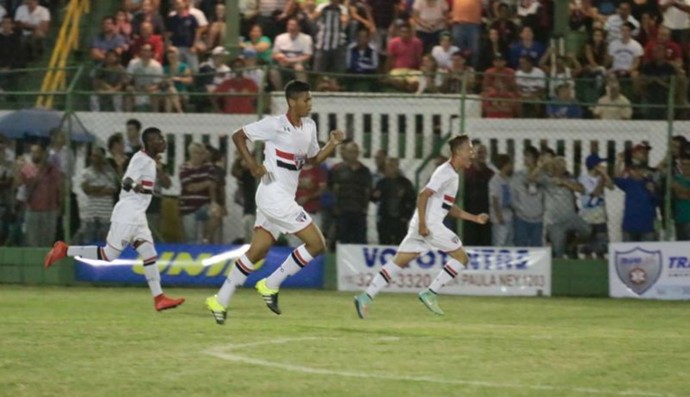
[[56, 253], [162, 302]]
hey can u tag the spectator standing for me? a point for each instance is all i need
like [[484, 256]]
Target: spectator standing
[[593, 204], [178, 79], [7, 170], [396, 199], [507, 29], [383, 13], [11, 52], [147, 14], [560, 217], [501, 204], [613, 105], [100, 185], [117, 158], [429, 18], [476, 198], [310, 187], [216, 163], [641, 200], [681, 198], [528, 203], [675, 13], [245, 196], [466, 20], [44, 197], [380, 159], [330, 48], [350, 182], [183, 30], [34, 21], [133, 144], [107, 40], [615, 22], [198, 193]]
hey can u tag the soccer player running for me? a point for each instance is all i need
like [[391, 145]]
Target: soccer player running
[[128, 221], [427, 231], [290, 142]]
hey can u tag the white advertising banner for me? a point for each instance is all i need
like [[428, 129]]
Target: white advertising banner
[[491, 271], [649, 270]]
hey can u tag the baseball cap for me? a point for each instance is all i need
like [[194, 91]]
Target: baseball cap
[[219, 51], [593, 160]]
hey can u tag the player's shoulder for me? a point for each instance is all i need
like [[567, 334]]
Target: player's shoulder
[[309, 123]]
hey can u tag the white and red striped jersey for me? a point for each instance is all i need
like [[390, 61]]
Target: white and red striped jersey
[[286, 150], [131, 208], [444, 183]]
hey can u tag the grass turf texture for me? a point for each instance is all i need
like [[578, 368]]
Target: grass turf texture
[[110, 342]]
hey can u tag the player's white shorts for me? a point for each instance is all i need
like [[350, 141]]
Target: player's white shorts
[[279, 216], [440, 238], [122, 234]]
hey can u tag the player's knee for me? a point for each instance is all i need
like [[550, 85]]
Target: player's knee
[[146, 250], [109, 253]]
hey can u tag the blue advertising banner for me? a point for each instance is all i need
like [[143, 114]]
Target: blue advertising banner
[[196, 265]]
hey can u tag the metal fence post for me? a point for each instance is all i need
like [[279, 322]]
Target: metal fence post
[[670, 113]]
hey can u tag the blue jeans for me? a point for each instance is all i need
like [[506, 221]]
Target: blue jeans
[[528, 234], [466, 37], [502, 234]]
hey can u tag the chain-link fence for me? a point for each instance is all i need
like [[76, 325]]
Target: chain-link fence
[[392, 117]]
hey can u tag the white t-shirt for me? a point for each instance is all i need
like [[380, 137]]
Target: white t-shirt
[[624, 54], [443, 57], [613, 26], [592, 209], [674, 18], [444, 183], [532, 81], [301, 45], [132, 206], [35, 18], [499, 187], [434, 15], [144, 75], [197, 14], [286, 150]]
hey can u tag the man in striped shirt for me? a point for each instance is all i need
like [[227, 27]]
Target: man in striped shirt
[[99, 184], [198, 192], [332, 18]]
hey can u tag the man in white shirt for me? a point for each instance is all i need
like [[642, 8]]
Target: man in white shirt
[[677, 19], [531, 82], [290, 142], [626, 53], [614, 22], [34, 21], [292, 51], [128, 221], [592, 204], [500, 203], [427, 231], [146, 75]]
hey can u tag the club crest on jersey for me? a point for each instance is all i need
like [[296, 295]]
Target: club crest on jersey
[[302, 217]]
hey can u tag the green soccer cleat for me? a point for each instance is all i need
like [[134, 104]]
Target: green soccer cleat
[[430, 300], [362, 302], [218, 311], [270, 295]]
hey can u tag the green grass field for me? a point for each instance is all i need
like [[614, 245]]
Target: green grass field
[[110, 342]]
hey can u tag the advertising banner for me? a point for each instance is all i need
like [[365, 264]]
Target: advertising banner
[[491, 271], [196, 265], [649, 270]]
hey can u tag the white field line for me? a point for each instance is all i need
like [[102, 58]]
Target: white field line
[[225, 353]]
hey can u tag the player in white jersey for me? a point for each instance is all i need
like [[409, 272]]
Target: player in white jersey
[[427, 231], [128, 221], [290, 142]]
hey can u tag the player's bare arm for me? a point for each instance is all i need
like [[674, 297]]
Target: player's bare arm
[[337, 137], [422, 200], [457, 212], [239, 138]]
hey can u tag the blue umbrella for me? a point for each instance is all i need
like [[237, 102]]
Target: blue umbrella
[[39, 123]]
